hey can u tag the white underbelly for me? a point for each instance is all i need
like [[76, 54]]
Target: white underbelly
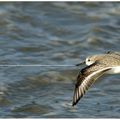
[[114, 70]]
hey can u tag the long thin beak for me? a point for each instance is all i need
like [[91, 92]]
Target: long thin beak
[[83, 62]]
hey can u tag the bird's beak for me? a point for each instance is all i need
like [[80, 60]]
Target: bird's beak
[[83, 62]]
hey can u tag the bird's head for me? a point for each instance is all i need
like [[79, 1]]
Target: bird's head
[[91, 59]]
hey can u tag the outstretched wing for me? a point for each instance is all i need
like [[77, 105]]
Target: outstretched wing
[[86, 78]]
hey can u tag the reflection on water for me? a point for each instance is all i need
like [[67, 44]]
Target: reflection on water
[[55, 33]]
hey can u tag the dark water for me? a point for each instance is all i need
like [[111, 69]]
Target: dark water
[[56, 33]]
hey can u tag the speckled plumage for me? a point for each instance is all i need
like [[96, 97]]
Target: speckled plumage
[[98, 65]]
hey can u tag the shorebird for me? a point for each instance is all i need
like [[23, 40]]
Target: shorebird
[[97, 65]]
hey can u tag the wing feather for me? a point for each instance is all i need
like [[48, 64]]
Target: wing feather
[[85, 81]]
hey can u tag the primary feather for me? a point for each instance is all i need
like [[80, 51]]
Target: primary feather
[[86, 78]]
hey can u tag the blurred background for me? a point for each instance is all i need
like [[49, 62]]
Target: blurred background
[[56, 33]]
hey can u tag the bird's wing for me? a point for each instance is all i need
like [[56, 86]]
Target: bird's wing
[[85, 79], [114, 52], [110, 52]]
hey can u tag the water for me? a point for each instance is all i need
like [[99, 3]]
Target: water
[[56, 33]]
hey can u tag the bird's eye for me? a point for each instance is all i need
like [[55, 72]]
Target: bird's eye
[[88, 60]]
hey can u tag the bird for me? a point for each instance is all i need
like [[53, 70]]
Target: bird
[[96, 66]]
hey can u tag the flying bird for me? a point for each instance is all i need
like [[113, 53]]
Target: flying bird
[[97, 65]]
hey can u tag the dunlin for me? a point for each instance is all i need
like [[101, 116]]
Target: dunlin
[[97, 65]]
